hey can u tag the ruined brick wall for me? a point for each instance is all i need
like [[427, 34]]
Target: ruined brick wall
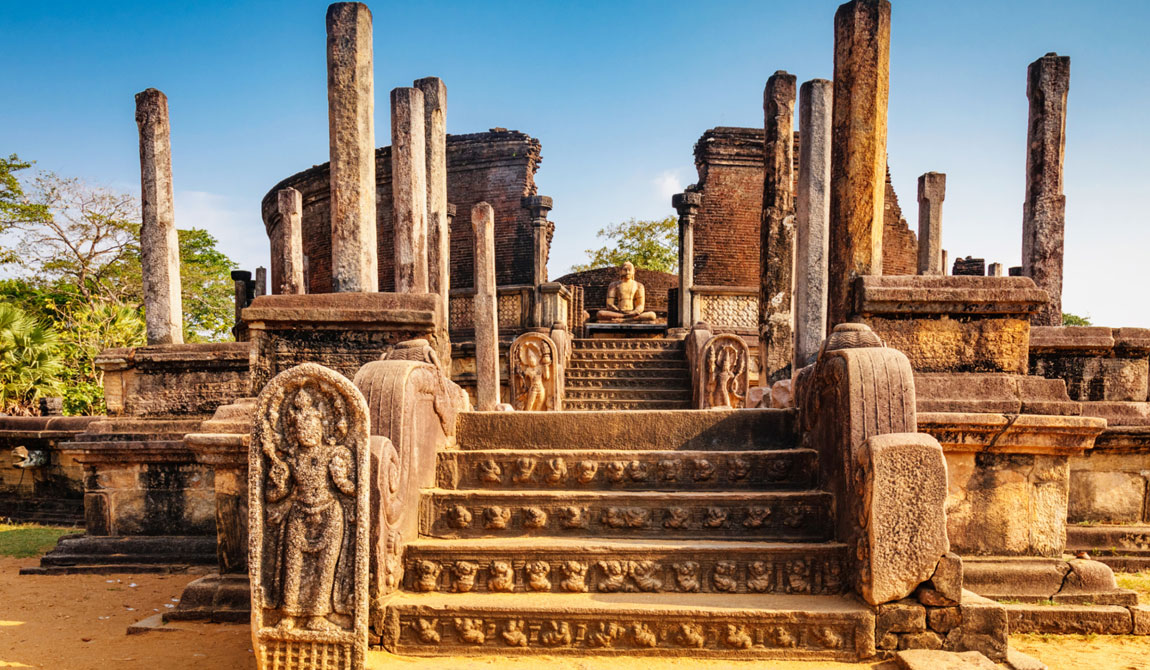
[[730, 165], [899, 242], [595, 283], [497, 167], [969, 266]]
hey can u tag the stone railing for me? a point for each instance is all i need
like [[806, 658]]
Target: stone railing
[[727, 309], [857, 410], [515, 306], [413, 404]]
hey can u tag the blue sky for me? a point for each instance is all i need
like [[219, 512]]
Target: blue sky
[[617, 92]]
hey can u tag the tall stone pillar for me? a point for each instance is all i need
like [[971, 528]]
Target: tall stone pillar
[[351, 132], [290, 203], [435, 145], [687, 205], [777, 233], [159, 242], [812, 217], [409, 190], [1044, 211], [539, 205], [858, 150], [931, 193], [485, 314]]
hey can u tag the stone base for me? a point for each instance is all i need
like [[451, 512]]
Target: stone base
[[621, 329], [217, 598], [1124, 548], [1048, 580], [81, 553]]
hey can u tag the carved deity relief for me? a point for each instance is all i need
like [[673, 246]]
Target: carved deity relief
[[534, 364], [725, 375], [308, 486]]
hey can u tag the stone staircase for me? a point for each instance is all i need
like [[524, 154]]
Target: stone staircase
[[668, 533], [627, 373]]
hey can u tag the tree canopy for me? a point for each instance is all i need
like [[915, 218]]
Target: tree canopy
[[649, 244]]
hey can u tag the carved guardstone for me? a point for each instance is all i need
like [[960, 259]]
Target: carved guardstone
[[308, 481], [533, 361], [725, 377]]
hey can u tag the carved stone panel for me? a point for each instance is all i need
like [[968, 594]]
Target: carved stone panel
[[308, 476], [533, 361], [724, 375]]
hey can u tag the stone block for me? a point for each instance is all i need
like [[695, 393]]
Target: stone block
[[1141, 616], [926, 659], [943, 619], [946, 344], [1109, 497], [932, 598], [984, 627], [947, 577], [1021, 578], [924, 640], [900, 480], [1020, 661], [1070, 619], [904, 616]]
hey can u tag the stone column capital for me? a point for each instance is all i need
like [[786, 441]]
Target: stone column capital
[[539, 205], [687, 203]]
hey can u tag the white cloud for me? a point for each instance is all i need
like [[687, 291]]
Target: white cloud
[[236, 224], [668, 183]]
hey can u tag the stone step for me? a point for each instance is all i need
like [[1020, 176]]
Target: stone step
[[95, 550], [589, 358], [680, 395], [660, 430], [618, 470], [627, 383], [575, 565], [638, 344], [696, 625], [644, 373], [577, 405], [781, 516], [620, 367]]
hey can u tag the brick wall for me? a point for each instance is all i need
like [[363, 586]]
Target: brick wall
[[730, 165], [497, 166], [969, 266], [595, 283]]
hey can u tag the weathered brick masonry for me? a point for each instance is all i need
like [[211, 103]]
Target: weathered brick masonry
[[497, 166], [730, 165]]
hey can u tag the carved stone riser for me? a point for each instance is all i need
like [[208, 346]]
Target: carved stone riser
[[626, 383], [426, 631], [623, 395], [652, 373], [578, 367], [809, 570], [766, 516], [620, 344], [602, 405], [580, 358], [615, 470]]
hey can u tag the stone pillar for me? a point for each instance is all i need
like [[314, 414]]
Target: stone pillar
[[994, 270], [858, 151], [945, 258], [244, 286], [777, 232], [812, 216], [539, 205], [1044, 211], [409, 190], [159, 242], [687, 205], [261, 283], [435, 146], [290, 203], [351, 131], [931, 192], [486, 313]]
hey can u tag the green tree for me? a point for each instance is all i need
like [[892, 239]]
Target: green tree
[[652, 245], [90, 329], [1069, 319], [14, 205], [30, 364], [207, 287]]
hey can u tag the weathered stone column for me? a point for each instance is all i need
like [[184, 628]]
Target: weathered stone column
[[812, 216], [159, 243], [290, 203], [351, 131], [994, 270], [539, 205], [858, 151], [435, 144], [409, 190], [687, 205], [261, 282], [485, 313], [931, 193], [1044, 211], [777, 232]]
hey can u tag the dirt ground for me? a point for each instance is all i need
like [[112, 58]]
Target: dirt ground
[[78, 622]]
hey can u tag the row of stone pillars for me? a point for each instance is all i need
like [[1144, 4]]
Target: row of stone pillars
[[815, 242]]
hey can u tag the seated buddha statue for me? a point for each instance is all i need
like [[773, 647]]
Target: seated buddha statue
[[626, 300]]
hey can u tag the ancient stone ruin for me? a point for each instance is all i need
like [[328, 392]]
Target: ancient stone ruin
[[810, 443]]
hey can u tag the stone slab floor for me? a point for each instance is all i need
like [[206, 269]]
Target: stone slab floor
[[78, 622]]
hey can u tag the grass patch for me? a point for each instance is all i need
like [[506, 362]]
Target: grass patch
[[1135, 581], [27, 540]]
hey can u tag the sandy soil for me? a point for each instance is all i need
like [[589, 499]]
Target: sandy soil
[[78, 622]]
